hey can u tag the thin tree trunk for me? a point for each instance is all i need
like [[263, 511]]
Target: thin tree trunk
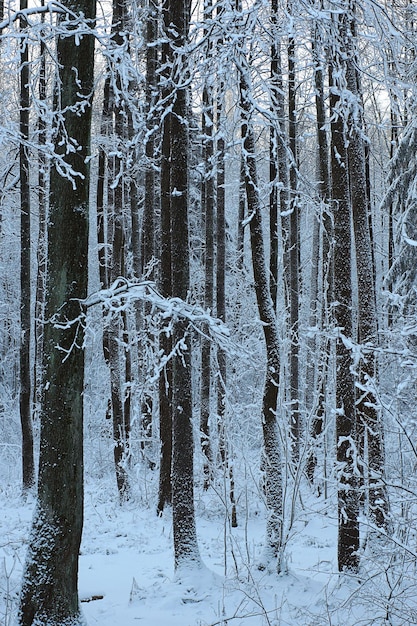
[[208, 209], [294, 276], [28, 463], [276, 92], [114, 337], [241, 216], [165, 285], [149, 219], [41, 251], [224, 447], [272, 449], [319, 347], [116, 238]]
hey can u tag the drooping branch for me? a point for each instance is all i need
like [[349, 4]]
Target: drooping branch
[[122, 293]]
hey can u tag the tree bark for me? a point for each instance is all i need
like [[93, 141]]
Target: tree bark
[[49, 592], [369, 425], [294, 254], [319, 348], [184, 528], [113, 336], [165, 285], [271, 442], [348, 508], [28, 463], [41, 251], [148, 238], [208, 211]]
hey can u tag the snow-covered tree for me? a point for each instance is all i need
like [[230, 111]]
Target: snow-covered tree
[[50, 583]]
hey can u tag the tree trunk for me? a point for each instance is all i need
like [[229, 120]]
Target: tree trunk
[[113, 337], [276, 94], [149, 217], [272, 448], [224, 447], [348, 508], [28, 463], [368, 414], [319, 347], [294, 253], [41, 251], [165, 286], [49, 593], [184, 528], [208, 210], [241, 216]]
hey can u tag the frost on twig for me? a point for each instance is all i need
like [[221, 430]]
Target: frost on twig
[[123, 292]]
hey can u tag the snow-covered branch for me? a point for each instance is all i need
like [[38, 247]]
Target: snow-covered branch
[[123, 292]]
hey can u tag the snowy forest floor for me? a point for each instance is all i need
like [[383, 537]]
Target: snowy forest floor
[[127, 576]]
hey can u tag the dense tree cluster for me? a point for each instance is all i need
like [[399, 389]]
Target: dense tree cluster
[[176, 170]]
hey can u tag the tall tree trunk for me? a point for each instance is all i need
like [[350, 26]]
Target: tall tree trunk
[[41, 251], [116, 228], [241, 216], [148, 224], [369, 425], [294, 253], [348, 509], [271, 441], [116, 361], [224, 448], [276, 94], [102, 235], [184, 528], [28, 463], [208, 211], [395, 124], [319, 347], [49, 593], [165, 286], [149, 214]]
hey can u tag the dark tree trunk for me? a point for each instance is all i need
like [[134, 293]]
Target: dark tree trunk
[[208, 211], [348, 506], [102, 235], [165, 341], [121, 427], [28, 464], [369, 425], [113, 336], [41, 251], [276, 94], [294, 252], [148, 224], [184, 528], [165, 285], [149, 214], [224, 447], [241, 216], [272, 447], [319, 347], [283, 169], [49, 593]]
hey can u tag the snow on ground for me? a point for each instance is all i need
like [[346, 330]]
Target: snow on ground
[[127, 577]]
